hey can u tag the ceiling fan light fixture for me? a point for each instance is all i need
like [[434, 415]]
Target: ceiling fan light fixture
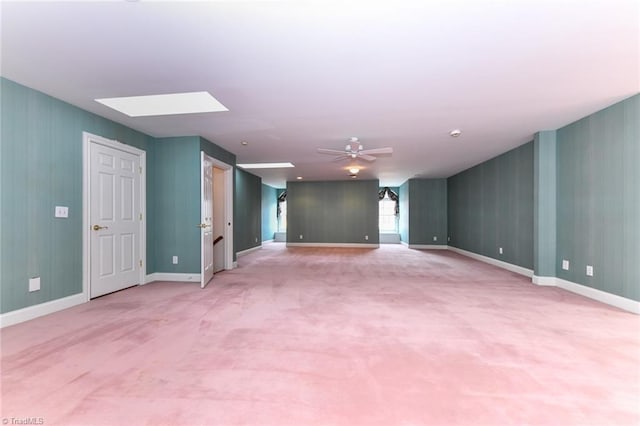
[[354, 170], [455, 133]]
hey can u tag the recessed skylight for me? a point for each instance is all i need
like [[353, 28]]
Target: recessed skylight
[[265, 165], [169, 104]]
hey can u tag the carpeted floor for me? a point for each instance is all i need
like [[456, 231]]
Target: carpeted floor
[[306, 336]]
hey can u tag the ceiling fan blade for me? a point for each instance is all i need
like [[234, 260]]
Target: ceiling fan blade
[[330, 151], [376, 151], [366, 157], [341, 157]]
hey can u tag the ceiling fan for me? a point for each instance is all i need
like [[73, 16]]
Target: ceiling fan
[[355, 150]]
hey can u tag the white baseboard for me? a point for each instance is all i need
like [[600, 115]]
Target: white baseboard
[[543, 281], [495, 262], [338, 245], [46, 308], [623, 303], [267, 241], [428, 247], [247, 251], [169, 276]]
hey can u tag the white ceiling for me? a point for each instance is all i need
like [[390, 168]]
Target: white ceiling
[[298, 75]]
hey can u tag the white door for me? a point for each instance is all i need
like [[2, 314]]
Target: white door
[[114, 218], [206, 220], [218, 220]]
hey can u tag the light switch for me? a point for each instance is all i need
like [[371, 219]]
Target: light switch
[[500, 250], [565, 264], [589, 270], [62, 211]]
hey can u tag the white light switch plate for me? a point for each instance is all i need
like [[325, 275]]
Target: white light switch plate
[[62, 211], [589, 270], [565, 265], [174, 260]]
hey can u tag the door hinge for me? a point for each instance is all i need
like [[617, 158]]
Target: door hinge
[[140, 168], [141, 263], [140, 216]]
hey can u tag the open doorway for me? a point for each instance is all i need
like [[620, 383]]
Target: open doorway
[[216, 217], [218, 220]]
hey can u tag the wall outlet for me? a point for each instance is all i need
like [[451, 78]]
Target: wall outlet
[[500, 250], [448, 238], [366, 237], [34, 284], [565, 264], [62, 212], [589, 270], [435, 238], [300, 236], [256, 239], [175, 260]]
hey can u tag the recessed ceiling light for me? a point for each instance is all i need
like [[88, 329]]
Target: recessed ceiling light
[[354, 171], [455, 133], [244, 143], [299, 178], [265, 165], [169, 104]]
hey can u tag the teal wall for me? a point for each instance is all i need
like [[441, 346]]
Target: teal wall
[[41, 167], [427, 211], [219, 153], [173, 187], [333, 212], [491, 205], [544, 203], [598, 199], [403, 220], [269, 212], [247, 211]]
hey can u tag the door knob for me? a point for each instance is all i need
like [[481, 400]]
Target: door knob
[[98, 227], [202, 225]]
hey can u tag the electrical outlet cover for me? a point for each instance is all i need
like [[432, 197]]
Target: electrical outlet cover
[[34, 284]]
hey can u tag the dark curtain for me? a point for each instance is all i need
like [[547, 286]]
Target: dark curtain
[[392, 195]]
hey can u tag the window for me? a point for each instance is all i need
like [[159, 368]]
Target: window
[[282, 217], [387, 214]]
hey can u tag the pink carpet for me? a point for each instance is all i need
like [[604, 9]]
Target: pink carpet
[[330, 337]]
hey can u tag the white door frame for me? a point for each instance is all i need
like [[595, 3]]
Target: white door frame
[[88, 138], [228, 209]]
